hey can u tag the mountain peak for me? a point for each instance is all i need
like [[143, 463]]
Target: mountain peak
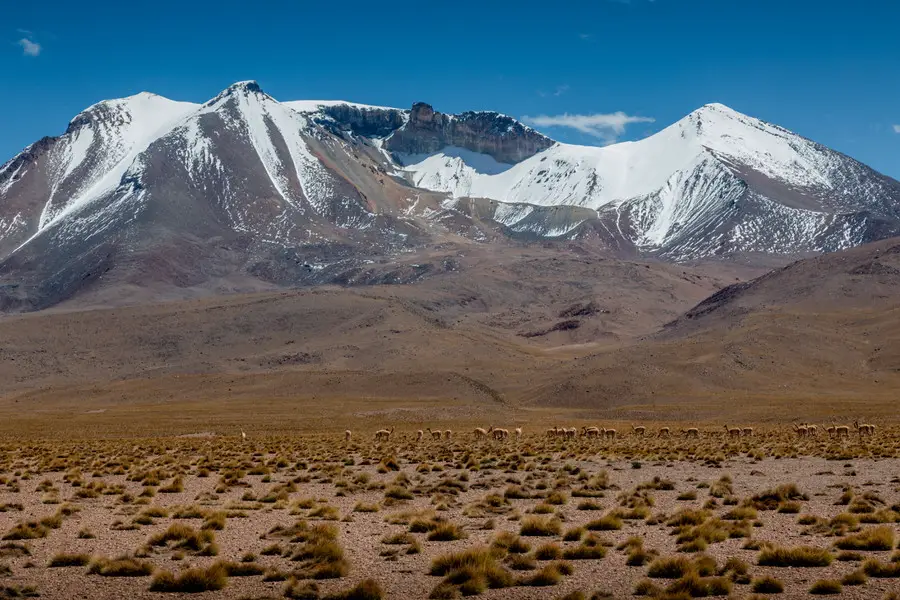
[[717, 107], [250, 85], [714, 111], [240, 88]]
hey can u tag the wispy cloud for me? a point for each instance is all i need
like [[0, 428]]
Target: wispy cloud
[[559, 91], [606, 127], [29, 47], [896, 128]]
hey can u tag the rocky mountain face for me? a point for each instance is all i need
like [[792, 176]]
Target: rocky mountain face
[[244, 192], [502, 138]]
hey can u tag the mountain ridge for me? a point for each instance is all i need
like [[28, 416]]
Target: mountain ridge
[[311, 192]]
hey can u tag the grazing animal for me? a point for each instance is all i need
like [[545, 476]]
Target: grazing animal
[[501, 434], [518, 433], [664, 432], [691, 432], [480, 433], [551, 432], [610, 434], [435, 435], [347, 435], [829, 430], [572, 432], [812, 430], [864, 428], [447, 434], [842, 431], [384, 434], [243, 435], [639, 430], [747, 431], [733, 431], [419, 435], [590, 432], [801, 430]]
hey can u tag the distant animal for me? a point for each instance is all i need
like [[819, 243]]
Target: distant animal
[[347, 435], [639, 430], [691, 432], [501, 434], [864, 428], [419, 435], [829, 430], [610, 434], [435, 435], [733, 431], [447, 434], [551, 432], [384, 434], [590, 432], [518, 433], [243, 435], [747, 431], [480, 433], [801, 430], [811, 430], [842, 431], [571, 432], [664, 432]]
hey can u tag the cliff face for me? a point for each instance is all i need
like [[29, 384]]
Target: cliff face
[[501, 137], [369, 122]]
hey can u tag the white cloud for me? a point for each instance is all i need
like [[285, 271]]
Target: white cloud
[[896, 128], [607, 127], [29, 48]]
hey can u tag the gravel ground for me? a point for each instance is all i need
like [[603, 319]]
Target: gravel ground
[[406, 575]]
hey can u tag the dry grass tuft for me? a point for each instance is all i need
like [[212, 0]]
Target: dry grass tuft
[[872, 539], [801, 556], [826, 587], [190, 581], [120, 567], [767, 585], [70, 560]]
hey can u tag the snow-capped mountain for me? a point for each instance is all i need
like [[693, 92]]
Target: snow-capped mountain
[[715, 182], [146, 192]]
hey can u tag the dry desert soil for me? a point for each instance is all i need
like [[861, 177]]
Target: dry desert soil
[[522, 517]]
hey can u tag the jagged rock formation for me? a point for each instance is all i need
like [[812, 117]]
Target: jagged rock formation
[[498, 136]]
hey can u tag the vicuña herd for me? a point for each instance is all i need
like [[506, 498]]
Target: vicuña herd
[[834, 430], [590, 431]]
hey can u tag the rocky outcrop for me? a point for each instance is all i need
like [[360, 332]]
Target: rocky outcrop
[[500, 136], [365, 121]]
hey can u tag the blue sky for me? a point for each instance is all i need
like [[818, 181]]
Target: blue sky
[[827, 69]]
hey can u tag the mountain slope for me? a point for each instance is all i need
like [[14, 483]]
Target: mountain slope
[[818, 337], [529, 330], [246, 193], [715, 182]]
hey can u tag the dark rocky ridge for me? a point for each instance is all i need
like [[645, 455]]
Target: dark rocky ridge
[[499, 136], [369, 122]]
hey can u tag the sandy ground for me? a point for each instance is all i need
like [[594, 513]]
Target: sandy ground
[[537, 465]]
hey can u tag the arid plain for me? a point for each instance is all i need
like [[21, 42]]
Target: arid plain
[[199, 446]]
